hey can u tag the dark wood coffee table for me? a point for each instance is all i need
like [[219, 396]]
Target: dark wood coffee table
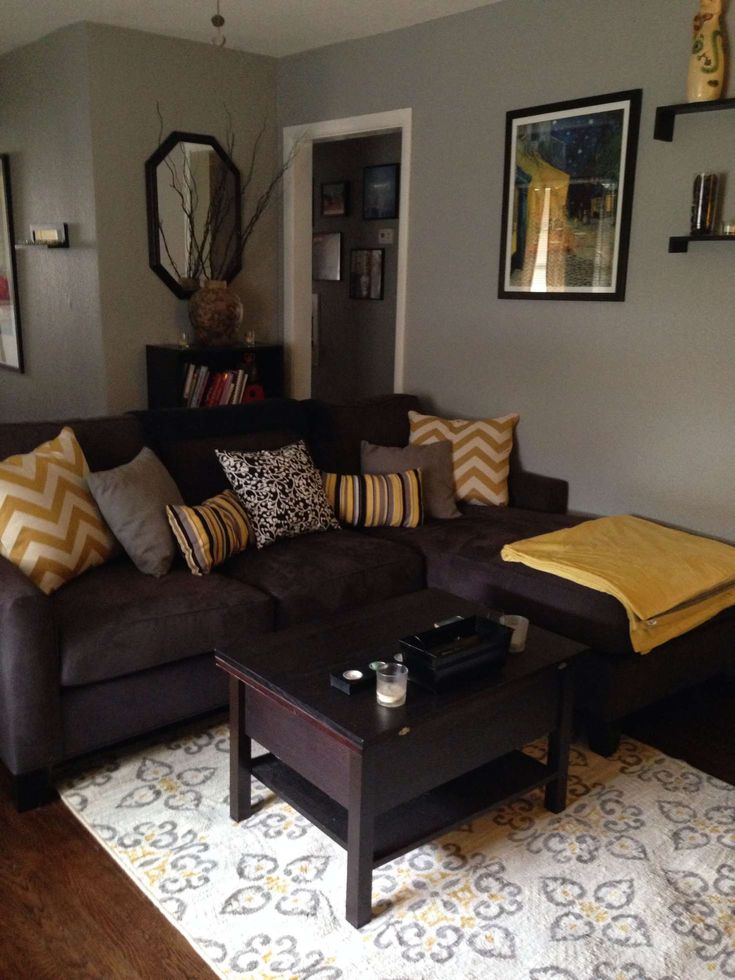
[[381, 781]]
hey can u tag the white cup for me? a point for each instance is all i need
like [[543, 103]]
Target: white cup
[[519, 625]]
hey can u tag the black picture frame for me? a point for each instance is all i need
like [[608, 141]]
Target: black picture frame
[[380, 190], [11, 338], [335, 199], [326, 256], [568, 197], [367, 273]]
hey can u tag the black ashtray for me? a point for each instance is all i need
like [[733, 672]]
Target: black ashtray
[[352, 679]]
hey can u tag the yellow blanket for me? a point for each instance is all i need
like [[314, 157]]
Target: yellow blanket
[[669, 581]]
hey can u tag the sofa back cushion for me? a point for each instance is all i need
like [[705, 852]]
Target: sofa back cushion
[[186, 439], [338, 430], [105, 442]]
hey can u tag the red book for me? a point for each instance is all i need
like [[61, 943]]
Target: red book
[[215, 389]]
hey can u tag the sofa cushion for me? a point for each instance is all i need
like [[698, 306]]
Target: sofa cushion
[[106, 442], [435, 463], [376, 499], [133, 499], [480, 453], [337, 430], [50, 526], [211, 532], [281, 490], [117, 621], [463, 556], [328, 571], [186, 438]]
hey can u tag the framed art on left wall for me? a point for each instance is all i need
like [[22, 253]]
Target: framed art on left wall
[[11, 346], [568, 197]]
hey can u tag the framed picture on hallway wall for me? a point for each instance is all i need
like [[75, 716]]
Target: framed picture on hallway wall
[[366, 273], [567, 198], [335, 199], [380, 192], [326, 256]]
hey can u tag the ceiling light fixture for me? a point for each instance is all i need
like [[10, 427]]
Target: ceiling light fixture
[[218, 22]]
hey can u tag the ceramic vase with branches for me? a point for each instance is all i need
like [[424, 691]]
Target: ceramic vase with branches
[[216, 241]]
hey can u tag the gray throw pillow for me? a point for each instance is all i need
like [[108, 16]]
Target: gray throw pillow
[[133, 500], [434, 461], [281, 490]]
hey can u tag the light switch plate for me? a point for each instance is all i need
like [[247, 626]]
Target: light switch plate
[[385, 236]]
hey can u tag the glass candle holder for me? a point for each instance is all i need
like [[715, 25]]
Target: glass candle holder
[[391, 681], [519, 625]]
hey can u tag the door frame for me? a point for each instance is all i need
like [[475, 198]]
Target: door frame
[[297, 230]]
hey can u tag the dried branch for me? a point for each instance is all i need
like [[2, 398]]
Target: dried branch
[[208, 255]]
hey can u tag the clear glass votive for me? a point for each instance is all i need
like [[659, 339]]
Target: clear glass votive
[[390, 685], [519, 625]]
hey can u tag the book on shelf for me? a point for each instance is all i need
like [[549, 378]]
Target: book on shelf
[[203, 387], [240, 382], [202, 376], [188, 381]]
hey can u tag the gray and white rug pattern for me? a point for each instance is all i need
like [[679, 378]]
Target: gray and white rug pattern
[[634, 881]]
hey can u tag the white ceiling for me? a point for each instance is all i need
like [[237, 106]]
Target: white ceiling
[[273, 27]]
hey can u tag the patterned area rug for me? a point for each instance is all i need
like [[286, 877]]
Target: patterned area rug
[[635, 881]]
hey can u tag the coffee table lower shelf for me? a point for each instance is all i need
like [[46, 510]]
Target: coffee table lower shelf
[[411, 824]]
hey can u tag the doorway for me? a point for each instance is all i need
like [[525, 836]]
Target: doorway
[[297, 235], [354, 263]]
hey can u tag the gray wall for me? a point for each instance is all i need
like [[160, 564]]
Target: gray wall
[[632, 402], [78, 118], [130, 71], [357, 337], [45, 127]]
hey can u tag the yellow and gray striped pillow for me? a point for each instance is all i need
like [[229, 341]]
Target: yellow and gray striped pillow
[[480, 453], [376, 499], [50, 526], [210, 532]]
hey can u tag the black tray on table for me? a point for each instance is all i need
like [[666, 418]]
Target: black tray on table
[[455, 651]]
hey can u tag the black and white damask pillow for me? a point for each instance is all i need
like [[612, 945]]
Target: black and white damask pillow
[[282, 492]]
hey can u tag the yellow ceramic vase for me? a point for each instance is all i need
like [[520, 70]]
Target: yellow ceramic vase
[[707, 62]]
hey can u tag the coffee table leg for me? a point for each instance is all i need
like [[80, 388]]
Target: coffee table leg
[[360, 842], [240, 802], [558, 754]]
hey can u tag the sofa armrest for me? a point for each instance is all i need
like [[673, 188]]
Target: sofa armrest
[[531, 491], [30, 705]]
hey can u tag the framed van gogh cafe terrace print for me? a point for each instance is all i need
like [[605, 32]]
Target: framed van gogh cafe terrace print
[[567, 198]]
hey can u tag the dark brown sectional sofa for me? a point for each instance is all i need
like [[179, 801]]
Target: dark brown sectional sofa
[[115, 654]]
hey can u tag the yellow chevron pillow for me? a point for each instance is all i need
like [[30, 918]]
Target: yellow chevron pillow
[[480, 452], [50, 527]]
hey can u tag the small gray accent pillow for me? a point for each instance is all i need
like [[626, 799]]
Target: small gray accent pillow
[[281, 490], [434, 461], [133, 500]]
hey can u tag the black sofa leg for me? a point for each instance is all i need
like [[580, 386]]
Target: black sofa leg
[[603, 736], [32, 789]]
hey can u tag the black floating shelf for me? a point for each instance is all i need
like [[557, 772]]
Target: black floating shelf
[[680, 243], [666, 114]]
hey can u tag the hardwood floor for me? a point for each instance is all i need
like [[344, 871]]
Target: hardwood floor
[[697, 725], [68, 911]]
